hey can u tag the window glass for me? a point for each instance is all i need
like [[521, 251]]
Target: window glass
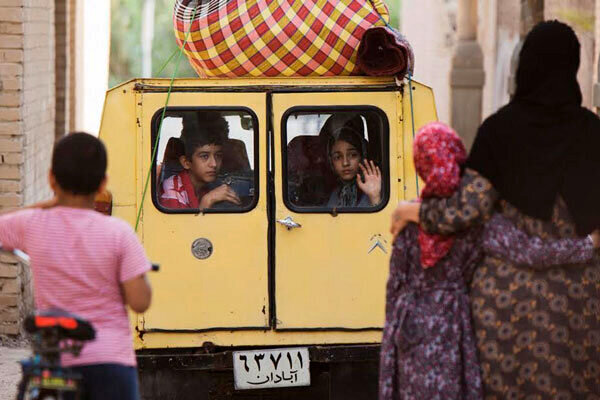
[[336, 161], [205, 161]]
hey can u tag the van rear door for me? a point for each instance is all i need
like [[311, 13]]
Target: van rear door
[[214, 272], [331, 260]]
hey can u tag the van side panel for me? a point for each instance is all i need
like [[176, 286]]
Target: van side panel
[[423, 110], [118, 132]]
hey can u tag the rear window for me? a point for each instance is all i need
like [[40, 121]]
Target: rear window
[[335, 159], [206, 160]]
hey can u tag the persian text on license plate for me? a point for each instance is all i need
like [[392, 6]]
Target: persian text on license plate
[[260, 369]]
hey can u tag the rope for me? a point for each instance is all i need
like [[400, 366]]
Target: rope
[[156, 142], [381, 18], [167, 62], [205, 7], [412, 119]]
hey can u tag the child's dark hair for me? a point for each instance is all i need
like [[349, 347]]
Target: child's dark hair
[[203, 128], [79, 163], [348, 135]]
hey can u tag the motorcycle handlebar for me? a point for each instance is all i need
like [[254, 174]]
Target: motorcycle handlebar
[[21, 255], [24, 257]]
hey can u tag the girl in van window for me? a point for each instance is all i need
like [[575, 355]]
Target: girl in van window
[[428, 349], [197, 185], [359, 181]]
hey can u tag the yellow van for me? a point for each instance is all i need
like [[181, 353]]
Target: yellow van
[[281, 296]]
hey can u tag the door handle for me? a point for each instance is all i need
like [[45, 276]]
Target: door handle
[[289, 223]]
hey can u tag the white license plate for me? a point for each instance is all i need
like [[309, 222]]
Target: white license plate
[[273, 368]]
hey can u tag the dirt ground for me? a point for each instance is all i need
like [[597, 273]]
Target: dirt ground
[[10, 370]]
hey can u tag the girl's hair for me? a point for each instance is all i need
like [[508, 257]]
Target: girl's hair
[[348, 135]]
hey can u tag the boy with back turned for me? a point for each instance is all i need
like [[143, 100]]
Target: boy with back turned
[[85, 263]]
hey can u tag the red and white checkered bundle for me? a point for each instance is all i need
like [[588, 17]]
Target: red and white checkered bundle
[[229, 38]]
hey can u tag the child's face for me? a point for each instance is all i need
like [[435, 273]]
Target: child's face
[[345, 159], [205, 164]]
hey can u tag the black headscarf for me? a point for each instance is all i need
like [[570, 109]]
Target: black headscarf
[[543, 144]]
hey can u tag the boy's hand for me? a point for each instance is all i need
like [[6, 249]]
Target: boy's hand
[[137, 293], [48, 203], [45, 204], [42, 204], [222, 193]]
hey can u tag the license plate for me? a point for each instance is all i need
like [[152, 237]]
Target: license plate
[[273, 368]]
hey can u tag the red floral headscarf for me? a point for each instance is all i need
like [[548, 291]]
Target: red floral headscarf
[[438, 154]]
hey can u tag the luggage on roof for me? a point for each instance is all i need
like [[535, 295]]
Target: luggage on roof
[[232, 38]]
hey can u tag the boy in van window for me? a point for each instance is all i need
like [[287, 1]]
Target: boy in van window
[[85, 263], [197, 185]]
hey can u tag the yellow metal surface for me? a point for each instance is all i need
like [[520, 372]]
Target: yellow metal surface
[[229, 289], [267, 82], [256, 338], [118, 131], [424, 111], [324, 276]]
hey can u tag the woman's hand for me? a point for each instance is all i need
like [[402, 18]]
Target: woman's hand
[[371, 186], [53, 202], [222, 193], [595, 236], [405, 212]]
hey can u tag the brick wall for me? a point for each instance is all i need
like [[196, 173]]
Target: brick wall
[[64, 57], [72, 11], [39, 93], [27, 130]]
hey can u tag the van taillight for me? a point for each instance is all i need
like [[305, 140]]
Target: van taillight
[[103, 202]]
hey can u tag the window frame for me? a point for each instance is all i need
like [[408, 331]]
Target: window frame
[[155, 121], [385, 169]]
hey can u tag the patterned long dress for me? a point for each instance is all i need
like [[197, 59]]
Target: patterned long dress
[[428, 346], [428, 349], [537, 328]]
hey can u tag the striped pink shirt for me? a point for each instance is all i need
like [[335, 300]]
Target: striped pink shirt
[[79, 257]]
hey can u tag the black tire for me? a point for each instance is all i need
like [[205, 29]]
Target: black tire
[[50, 395]]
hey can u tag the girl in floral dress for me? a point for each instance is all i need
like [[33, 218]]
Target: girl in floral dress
[[428, 348]]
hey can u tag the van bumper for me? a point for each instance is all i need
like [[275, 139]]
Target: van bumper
[[337, 372]]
